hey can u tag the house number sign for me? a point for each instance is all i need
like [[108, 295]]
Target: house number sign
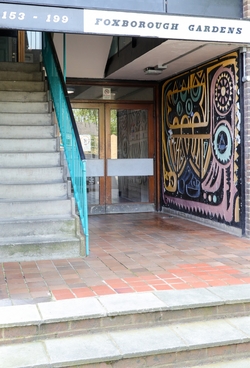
[[41, 18]]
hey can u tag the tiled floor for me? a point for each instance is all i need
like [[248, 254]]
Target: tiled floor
[[132, 253]]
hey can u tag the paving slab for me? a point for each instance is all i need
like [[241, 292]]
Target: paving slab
[[71, 309], [131, 303], [216, 332], [191, 298], [242, 324], [232, 293], [94, 348], [136, 342], [21, 315], [24, 355]]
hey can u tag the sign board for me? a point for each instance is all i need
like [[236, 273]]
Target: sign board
[[102, 22], [106, 93], [166, 26], [41, 18], [86, 142]]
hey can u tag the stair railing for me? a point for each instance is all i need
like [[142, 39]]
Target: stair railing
[[69, 133]]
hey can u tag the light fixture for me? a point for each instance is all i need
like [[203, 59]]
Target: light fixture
[[70, 90], [157, 69]]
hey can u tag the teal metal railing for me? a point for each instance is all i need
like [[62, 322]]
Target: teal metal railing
[[69, 133]]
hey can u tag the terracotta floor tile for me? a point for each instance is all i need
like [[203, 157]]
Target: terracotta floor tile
[[82, 292], [142, 288], [63, 294], [163, 287], [124, 290]]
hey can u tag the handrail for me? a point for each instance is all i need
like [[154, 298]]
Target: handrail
[[69, 133]]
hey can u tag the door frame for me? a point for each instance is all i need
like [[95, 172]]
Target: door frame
[[105, 198]]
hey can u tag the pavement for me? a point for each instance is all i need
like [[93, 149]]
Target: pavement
[[132, 253]]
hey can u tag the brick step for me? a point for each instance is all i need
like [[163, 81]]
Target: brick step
[[124, 310], [160, 329]]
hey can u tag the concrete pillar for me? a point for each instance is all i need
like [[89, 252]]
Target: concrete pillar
[[246, 14]]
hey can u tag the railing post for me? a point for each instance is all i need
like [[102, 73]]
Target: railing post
[[85, 208]]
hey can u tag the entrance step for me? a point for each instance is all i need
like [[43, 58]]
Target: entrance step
[[30, 159], [170, 329], [29, 175], [27, 131], [31, 247], [28, 145], [35, 209], [25, 119], [9, 96], [32, 227], [24, 107], [23, 86], [35, 192], [11, 75], [23, 67]]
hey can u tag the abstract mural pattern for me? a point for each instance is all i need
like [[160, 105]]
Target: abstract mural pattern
[[201, 141]]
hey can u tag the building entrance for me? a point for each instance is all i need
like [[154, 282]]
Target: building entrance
[[117, 141]]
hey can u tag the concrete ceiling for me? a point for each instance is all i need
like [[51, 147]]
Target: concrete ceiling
[[177, 55], [87, 57]]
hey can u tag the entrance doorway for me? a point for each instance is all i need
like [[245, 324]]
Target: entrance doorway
[[118, 143]]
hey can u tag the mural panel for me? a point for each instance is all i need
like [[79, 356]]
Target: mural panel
[[201, 141]]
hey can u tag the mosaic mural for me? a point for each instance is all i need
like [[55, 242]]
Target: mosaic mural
[[201, 141]]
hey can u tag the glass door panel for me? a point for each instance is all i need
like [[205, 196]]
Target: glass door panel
[[129, 154], [115, 139], [88, 124]]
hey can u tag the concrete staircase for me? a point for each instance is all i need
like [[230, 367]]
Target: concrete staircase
[[37, 213], [171, 329]]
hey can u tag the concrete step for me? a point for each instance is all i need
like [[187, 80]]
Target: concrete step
[[170, 329], [35, 192], [31, 159], [34, 228], [24, 107], [25, 119], [23, 86], [32, 175], [25, 67], [9, 96], [29, 145], [18, 210], [10, 75], [39, 247], [27, 131]]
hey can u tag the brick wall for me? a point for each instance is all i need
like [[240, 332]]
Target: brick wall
[[246, 14]]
